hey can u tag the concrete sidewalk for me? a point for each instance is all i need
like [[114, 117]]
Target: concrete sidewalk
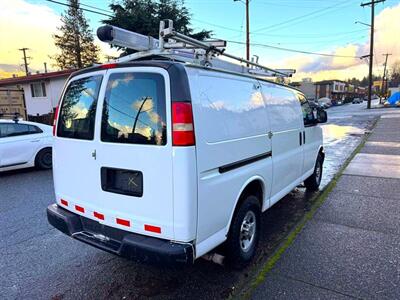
[[351, 247]]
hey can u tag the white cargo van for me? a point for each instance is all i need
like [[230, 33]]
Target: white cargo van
[[163, 160]]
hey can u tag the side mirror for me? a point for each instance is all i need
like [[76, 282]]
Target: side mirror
[[322, 116]]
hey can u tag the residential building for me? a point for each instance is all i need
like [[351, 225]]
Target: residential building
[[41, 92], [333, 89]]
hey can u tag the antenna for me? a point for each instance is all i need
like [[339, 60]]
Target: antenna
[[177, 46]]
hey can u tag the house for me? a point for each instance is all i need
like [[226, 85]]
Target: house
[[333, 89], [307, 87], [41, 92]]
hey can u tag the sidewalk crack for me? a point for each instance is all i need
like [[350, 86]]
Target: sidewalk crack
[[317, 286]]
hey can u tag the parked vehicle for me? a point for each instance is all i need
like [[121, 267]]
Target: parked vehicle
[[357, 101], [25, 144], [163, 160], [325, 102]]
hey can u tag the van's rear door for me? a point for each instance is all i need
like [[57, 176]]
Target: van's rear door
[[132, 153], [74, 169]]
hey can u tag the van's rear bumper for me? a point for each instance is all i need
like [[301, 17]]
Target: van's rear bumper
[[117, 241]]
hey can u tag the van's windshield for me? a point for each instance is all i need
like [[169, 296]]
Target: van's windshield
[[134, 109]]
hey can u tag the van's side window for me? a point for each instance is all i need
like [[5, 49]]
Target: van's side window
[[134, 109], [308, 116], [78, 110]]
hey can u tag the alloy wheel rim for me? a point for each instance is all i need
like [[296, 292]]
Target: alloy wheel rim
[[248, 231], [318, 172]]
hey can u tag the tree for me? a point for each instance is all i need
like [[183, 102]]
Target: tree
[[394, 74], [75, 40], [144, 16]]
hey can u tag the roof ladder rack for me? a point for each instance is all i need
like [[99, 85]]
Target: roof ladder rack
[[177, 46]]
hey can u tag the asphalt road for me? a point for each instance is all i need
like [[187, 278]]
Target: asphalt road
[[39, 262]]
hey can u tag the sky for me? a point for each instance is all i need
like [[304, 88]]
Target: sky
[[322, 26]]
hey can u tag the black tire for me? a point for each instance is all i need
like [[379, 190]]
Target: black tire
[[43, 159], [312, 183], [236, 253]]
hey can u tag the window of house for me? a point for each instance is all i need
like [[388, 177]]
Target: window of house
[[38, 89]]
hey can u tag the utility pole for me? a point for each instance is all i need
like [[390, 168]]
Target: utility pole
[[45, 67], [25, 60], [384, 74], [371, 47], [247, 31], [247, 3]]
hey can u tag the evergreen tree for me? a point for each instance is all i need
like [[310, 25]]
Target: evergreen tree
[[144, 16], [75, 40]]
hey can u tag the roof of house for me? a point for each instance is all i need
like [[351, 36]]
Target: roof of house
[[34, 77]]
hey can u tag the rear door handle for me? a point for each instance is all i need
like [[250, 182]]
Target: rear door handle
[[304, 137], [300, 139], [270, 134]]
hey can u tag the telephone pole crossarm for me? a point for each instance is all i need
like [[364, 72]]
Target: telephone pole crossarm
[[372, 2]]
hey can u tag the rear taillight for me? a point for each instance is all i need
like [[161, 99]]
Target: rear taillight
[[55, 120], [182, 124]]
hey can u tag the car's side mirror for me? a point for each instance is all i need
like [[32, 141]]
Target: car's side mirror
[[322, 116]]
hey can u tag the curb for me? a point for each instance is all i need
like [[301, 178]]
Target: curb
[[289, 239]]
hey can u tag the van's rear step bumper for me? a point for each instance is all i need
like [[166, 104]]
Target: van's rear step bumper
[[117, 241]]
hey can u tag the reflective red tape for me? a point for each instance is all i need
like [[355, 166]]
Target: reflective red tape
[[123, 222], [79, 208], [64, 202], [151, 228], [98, 215]]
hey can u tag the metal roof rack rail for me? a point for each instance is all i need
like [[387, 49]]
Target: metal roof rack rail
[[177, 46]]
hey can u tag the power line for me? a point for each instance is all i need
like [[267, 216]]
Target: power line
[[96, 8], [301, 17], [294, 50], [84, 9]]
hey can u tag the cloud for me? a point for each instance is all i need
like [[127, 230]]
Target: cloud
[[387, 28], [24, 24]]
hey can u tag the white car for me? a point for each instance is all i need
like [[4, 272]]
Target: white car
[[325, 102], [25, 144]]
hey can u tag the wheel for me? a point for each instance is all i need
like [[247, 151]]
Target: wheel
[[44, 159], [312, 183], [243, 235]]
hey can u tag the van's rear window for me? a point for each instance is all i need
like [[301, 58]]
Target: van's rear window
[[134, 109], [78, 110]]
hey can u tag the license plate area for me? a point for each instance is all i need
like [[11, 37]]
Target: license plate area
[[121, 181]]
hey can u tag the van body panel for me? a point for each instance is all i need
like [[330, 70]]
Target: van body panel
[[231, 125], [285, 115], [311, 146], [185, 193]]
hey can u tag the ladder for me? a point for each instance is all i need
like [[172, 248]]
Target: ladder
[[179, 47]]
